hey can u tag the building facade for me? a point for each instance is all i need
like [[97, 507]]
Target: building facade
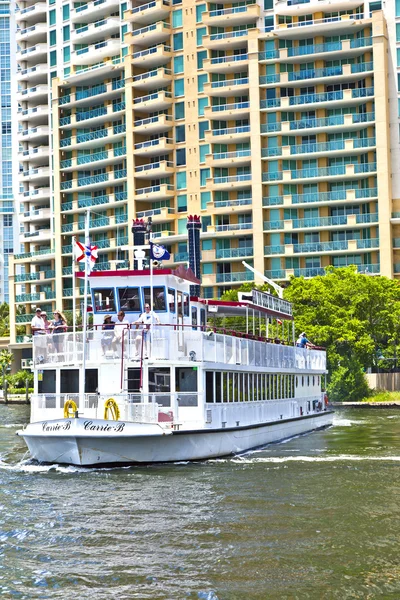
[[277, 122]]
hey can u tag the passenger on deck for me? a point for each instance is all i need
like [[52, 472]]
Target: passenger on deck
[[108, 335], [303, 342], [146, 318], [58, 326], [120, 332]]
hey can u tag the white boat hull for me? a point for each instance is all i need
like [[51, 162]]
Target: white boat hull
[[97, 442]]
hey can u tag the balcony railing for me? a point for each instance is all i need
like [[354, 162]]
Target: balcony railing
[[235, 106], [234, 252], [233, 178], [227, 155], [234, 227], [227, 59], [229, 82], [234, 277], [231, 130]]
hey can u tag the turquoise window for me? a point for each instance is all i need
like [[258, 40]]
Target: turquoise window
[[52, 17], [201, 80], [179, 87], [268, 4], [53, 58], [182, 203], [398, 56], [67, 54], [397, 8], [177, 43], [124, 30], [180, 134], [207, 268], [200, 33], [201, 56], [203, 102], [204, 175], [65, 12], [206, 244], [53, 38], [67, 71], [398, 107], [178, 64], [182, 226], [203, 127], [177, 18], [397, 32], [205, 199], [204, 149], [208, 292], [181, 180], [124, 51], [199, 12], [180, 110], [66, 33]]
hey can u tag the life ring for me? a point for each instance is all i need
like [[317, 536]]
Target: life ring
[[70, 408], [111, 407], [326, 400]]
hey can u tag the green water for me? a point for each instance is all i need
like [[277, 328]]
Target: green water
[[312, 518]]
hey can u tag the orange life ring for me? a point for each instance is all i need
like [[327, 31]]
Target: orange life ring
[[326, 400]]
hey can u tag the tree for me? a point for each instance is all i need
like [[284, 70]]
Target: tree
[[6, 358], [355, 316]]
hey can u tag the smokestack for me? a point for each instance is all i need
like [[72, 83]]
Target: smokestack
[[139, 232], [193, 227]]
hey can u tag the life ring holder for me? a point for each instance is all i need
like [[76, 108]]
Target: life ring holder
[[70, 409], [111, 407]]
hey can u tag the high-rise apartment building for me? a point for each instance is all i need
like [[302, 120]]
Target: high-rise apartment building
[[8, 163], [277, 122]]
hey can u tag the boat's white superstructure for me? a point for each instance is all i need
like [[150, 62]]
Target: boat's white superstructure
[[205, 379]]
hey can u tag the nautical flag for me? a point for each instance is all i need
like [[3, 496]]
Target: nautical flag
[[158, 252], [86, 252]]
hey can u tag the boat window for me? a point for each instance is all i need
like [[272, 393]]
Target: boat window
[[186, 382], [302, 381], [186, 305], [203, 319], [218, 387], [194, 317], [171, 300], [69, 383], [158, 298], [91, 381], [47, 382], [297, 382], [210, 386], [129, 299], [104, 300], [160, 385], [134, 383]]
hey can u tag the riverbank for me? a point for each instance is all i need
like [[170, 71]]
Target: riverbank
[[380, 399], [15, 399]]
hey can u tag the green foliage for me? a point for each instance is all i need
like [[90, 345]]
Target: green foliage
[[383, 396], [18, 380], [355, 316]]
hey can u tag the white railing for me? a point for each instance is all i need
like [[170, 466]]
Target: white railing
[[166, 342]]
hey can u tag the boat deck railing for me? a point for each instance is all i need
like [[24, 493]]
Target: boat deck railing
[[175, 343]]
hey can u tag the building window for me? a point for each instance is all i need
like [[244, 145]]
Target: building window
[[203, 102], [204, 175], [180, 110], [201, 57], [182, 203], [199, 12], [177, 18], [67, 54], [52, 17], [181, 180], [66, 33], [181, 157], [53, 38], [53, 58], [179, 133], [179, 87], [65, 12], [178, 64], [204, 149], [200, 33], [201, 80], [205, 199], [203, 127], [177, 41]]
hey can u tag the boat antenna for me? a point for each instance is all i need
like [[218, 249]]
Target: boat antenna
[[276, 287]]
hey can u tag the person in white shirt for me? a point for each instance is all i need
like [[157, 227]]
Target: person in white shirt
[[146, 319], [38, 328], [37, 323], [120, 331]]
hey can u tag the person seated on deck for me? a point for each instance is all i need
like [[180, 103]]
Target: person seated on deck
[[146, 319], [303, 342], [120, 332], [108, 335]]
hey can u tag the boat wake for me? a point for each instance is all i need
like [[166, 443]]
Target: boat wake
[[320, 459]]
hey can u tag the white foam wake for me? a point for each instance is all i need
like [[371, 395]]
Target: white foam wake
[[321, 459]]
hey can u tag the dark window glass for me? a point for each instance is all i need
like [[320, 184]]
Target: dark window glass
[[69, 383], [48, 383], [129, 299], [158, 298], [171, 300], [104, 300], [160, 385]]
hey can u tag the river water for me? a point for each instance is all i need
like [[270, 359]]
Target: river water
[[313, 518]]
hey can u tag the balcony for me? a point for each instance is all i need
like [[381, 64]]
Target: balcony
[[321, 173], [39, 174], [37, 134], [35, 194], [159, 215], [230, 135], [231, 17], [152, 79], [350, 122], [235, 277], [153, 102], [229, 39], [335, 148], [155, 170], [34, 13], [33, 54], [230, 182], [226, 64], [94, 181], [155, 192], [92, 11], [38, 93], [333, 49], [38, 235], [91, 139], [237, 110], [152, 125], [42, 214], [94, 160], [230, 253], [96, 52], [153, 147], [35, 155], [158, 10], [337, 74], [228, 87], [304, 7], [38, 114], [152, 57], [151, 35], [321, 100], [336, 25], [93, 117], [225, 159], [318, 223], [34, 33], [32, 74], [101, 29]]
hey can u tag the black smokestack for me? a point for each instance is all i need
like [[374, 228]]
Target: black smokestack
[[139, 232], [194, 227]]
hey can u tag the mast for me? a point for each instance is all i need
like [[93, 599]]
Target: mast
[[82, 386]]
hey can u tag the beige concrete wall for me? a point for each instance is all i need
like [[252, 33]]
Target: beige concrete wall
[[384, 381]]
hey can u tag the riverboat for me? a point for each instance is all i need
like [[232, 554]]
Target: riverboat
[[203, 379]]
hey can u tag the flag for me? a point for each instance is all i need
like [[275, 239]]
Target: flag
[[158, 252], [86, 252]]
